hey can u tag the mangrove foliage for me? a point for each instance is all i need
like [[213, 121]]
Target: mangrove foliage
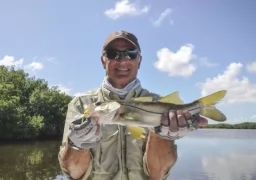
[[29, 108]]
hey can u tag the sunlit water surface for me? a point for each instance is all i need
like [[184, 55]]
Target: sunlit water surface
[[203, 155]]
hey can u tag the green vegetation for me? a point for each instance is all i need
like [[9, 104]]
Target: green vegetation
[[29, 109], [245, 125]]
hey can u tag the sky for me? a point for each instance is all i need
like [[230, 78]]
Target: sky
[[194, 47]]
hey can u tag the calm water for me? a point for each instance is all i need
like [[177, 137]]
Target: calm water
[[204, 155]]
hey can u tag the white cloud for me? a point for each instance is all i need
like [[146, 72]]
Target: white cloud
[[251, 67], [48, 59], [163, 16], [20, 63], [78, 94], [63, 89], [253, 117], [10, 61], [125, 8], [176, 64], [240, 89], [51, 59], [242, 119], [34, 66], [206, 62]]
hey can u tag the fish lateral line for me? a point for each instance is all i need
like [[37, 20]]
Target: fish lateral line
[[135, 107]]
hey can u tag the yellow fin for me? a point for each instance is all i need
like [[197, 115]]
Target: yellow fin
[[137, 132], [144, 99], [86, 112], [208, 106], [172, 98]]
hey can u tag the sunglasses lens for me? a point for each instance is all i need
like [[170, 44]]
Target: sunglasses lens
[[111, 54], [131, 54]]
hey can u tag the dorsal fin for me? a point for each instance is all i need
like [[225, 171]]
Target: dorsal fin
[[172, 98]]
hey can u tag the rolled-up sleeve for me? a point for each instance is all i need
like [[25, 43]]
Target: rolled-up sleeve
[[168, 171], [75, 107]]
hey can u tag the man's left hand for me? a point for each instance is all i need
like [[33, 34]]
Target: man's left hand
[[177, 124]]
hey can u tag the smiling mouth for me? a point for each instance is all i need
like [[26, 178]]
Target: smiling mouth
[[122, 69]]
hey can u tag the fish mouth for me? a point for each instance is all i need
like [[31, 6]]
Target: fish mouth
[[106, 112]]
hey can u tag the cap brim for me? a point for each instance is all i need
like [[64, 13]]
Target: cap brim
[[119, 37]]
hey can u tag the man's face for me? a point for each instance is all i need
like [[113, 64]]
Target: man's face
[[121, 71]]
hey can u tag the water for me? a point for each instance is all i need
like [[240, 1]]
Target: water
[[204, 155]]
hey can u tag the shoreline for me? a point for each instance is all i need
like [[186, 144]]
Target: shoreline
[[34, 141], [28, 141], [225, 129]]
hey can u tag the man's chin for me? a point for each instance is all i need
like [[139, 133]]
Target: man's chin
[[123, 79], [123, 73]]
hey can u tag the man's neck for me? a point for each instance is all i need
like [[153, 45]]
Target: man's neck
[[118, 85]]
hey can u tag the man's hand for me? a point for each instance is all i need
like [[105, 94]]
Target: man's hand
[[177, 124], [85, 133]]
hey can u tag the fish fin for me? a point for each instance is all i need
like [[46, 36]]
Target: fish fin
[[137, 132], [172, 98], [89, 110], [144, 99], [86, 112], [208, 106]]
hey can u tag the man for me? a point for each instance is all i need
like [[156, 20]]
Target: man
[[92, 151]]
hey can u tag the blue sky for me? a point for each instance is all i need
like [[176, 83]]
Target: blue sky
[[194, 47]]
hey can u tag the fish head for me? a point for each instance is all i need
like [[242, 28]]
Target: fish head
[[104, 112]]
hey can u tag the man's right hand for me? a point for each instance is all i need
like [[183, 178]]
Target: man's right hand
[[85, 132]]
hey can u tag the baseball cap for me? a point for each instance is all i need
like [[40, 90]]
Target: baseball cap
[[124, 35]]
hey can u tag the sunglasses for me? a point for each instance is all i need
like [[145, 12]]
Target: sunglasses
[[127, 54]]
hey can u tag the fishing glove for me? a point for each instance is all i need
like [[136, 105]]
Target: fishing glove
[[83, 133], [165, 132]]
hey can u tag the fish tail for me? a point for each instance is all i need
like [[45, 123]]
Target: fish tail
[[137, 132], [208, 106]]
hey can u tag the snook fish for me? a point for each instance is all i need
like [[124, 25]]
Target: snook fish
[[144, 112]]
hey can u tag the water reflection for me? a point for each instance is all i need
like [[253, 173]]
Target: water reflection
[[29, 161], [235, 166], [217, 155], [204, 155]]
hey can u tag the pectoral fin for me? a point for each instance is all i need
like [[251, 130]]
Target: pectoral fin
[[137, 132]]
